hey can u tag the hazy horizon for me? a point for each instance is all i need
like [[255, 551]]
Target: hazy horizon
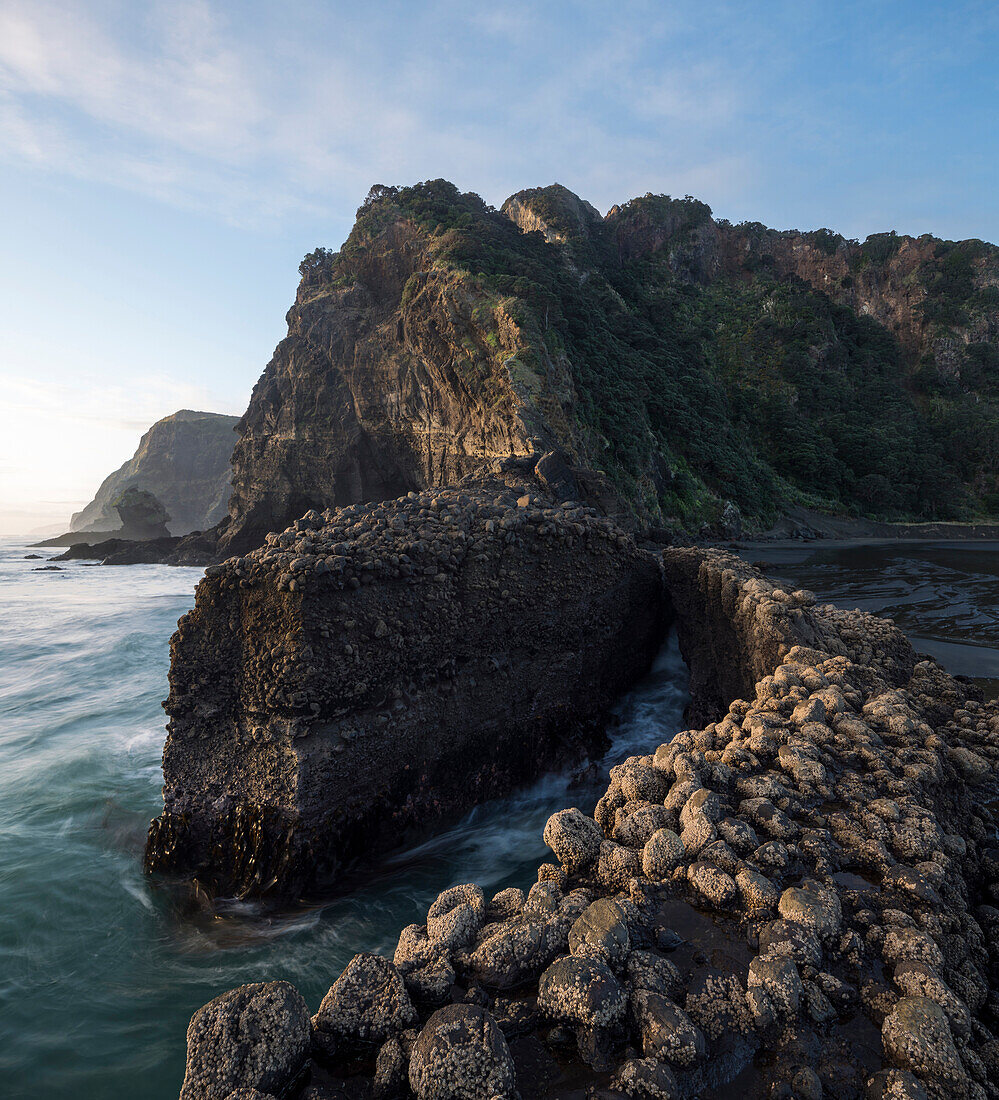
[[169, 165]]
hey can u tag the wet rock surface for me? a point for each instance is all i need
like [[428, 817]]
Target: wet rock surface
[[819, 931], [373, 669]]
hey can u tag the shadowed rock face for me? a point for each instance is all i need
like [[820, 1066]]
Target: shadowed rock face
[[376, 667], [730, 643], [142, 515]]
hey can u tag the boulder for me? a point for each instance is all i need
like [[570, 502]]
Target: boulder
[[813, 905], [253, 1037], [601, 931], [391, 1071], [895, 1084], [665, 1031], [756, 891], [714, 886], [655, 974], [796, 941], [456, 916], [645, 1079], [663, 853], [367, 1004], [917, 1038], [574, 838], [780, 978], [461, 1054], [582, 991], [514, 952]]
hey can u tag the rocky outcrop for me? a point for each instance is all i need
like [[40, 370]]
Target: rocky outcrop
[[683, 374], [183, 460], [376, 667], [142, 514], [796, 899], [554, 212], [132, 551], [730, 644], [142, 539], [445, 339]]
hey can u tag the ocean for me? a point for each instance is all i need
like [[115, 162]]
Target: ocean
[[101, 968]]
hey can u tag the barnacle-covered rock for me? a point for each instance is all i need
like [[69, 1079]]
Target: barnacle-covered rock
[[461, 1054], [253, 1037]]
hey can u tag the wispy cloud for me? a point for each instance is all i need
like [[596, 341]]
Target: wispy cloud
[[210, 107], [254, 114]]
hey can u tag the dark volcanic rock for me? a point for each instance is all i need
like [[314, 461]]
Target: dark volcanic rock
[[368, 1003], [122, 551], [374, 668], [143, 537], [462, 1053], [854, 951], [730, 642]]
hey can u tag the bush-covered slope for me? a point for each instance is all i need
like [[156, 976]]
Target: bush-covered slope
[[693, 361]]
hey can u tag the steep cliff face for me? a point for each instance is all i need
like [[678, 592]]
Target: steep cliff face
[[685, 362], [183, 460], [398, 373]]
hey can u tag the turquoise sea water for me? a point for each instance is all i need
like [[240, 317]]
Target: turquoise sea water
[[99, 969]]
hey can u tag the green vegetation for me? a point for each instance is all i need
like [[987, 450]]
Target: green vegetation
[[695, 390]]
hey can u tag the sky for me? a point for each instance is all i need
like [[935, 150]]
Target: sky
[[165, 166]]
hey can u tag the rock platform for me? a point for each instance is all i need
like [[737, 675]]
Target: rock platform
[[797, 899]]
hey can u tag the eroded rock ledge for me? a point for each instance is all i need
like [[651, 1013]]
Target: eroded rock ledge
[[796, 900], [374, 668]]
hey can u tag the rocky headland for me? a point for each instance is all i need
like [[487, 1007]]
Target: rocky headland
[[443, 560], [680, 373], [183, 461], [824, 827]]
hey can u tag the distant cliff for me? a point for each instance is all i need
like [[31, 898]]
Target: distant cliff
[[184, 461], [688, 364]]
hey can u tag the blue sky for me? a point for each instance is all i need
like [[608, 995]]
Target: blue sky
[[164, 166]]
